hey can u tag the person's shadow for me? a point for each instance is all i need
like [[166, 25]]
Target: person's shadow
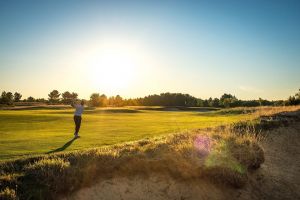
[[63, 147]]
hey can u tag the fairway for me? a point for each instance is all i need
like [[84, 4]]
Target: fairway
[[38, 131]]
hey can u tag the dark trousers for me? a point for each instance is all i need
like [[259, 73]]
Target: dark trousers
[[77, 120]]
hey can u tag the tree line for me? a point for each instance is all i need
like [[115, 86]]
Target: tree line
[[163, 99]]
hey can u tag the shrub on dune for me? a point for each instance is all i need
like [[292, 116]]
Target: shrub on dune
[[47, 175]]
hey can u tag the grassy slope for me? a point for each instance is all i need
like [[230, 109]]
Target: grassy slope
[[220, 155], [24, 132]]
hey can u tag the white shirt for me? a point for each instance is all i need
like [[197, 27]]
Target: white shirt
[[78, 110]]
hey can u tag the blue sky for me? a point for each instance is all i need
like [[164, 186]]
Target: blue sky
[[134, 48]]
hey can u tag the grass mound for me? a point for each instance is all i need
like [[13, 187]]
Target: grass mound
[[214, 155]]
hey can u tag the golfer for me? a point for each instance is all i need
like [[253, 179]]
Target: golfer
[[77, 116]]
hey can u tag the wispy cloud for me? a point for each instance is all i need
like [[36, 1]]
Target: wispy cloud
[[250, 89]]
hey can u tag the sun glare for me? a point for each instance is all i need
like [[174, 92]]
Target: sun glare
[[114, 67]]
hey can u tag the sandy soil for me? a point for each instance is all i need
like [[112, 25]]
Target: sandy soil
[[278, 178]]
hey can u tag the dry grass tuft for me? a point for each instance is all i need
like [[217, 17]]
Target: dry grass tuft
[[8, 194]]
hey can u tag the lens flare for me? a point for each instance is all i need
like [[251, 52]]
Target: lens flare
[[203, 144]]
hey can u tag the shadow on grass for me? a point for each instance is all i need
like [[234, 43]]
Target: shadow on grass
[[65, 146]]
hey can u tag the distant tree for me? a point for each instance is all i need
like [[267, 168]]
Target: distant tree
[[265, 102], [205, 103], [210, 102], [54, 96], [111, 101], [3, 99], [168, 99], [9, 98], [279, 103], [293, 100], [190, 100], [98, 100], [17, 97], [260, 100], [216, 102], [297, 95], [163, 99], [249, 103], [30, 99], [68, 97], [41, 100], [228, 100], [103, 100], [86, 102], [118, 101], [131, 102], [74, 96], [6, 98], [95, 100], [199, 103]]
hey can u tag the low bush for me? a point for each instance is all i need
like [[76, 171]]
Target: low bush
[[8, 194], [45, 178]]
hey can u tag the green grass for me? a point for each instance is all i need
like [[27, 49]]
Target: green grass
[[38, 131]]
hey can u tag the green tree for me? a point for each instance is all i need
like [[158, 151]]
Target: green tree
[[95, 100], [98, 100], [294, 100], [210, 102], [103, 100], [131, 102], [228, 100], [297, 95], [41, 100], [216, 102], [260, 100], [30, 99], [68, 97], [3, 98], [205, 103], [74, 96], [111, 101], [118, 101], [6, 98], [10, 98], [54, 96], [17, 97]]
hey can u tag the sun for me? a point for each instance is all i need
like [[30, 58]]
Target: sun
[[113, 68]]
